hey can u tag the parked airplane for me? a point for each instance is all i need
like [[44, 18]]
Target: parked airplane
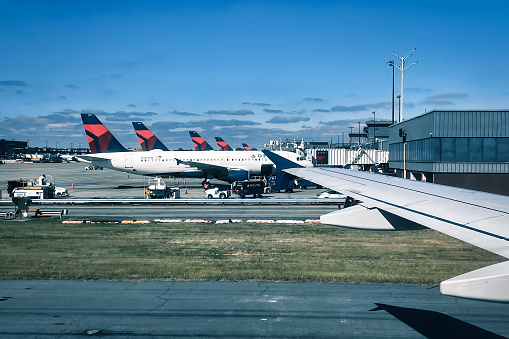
[[247, 148], [391, 203], [99, 138], [223, 145], [109, 153], [148, 140], [199, 143]]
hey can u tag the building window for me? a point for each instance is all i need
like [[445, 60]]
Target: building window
[[447, 149]]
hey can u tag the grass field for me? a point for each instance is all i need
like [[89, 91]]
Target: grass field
[[48, 249]]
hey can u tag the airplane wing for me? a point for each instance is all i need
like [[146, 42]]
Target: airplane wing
[[207, 168], [391, 203], [92, 158], [218, 171]]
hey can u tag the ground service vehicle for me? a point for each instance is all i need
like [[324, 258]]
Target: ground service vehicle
[[330, 194], [248, 187], [216, 192]]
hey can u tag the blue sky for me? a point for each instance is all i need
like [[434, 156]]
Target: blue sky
[[248, 71]]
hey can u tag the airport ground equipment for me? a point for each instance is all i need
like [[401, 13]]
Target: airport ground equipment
[[157, 189], [35, 188], [217, 192], [250, 187], [47, 213], [21, 205], [92, 168]]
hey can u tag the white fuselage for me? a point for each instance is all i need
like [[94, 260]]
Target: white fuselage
[[157, 162]]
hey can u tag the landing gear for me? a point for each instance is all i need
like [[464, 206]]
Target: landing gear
[[205, 184]]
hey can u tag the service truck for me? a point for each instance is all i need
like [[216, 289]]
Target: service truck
[[248, 187]]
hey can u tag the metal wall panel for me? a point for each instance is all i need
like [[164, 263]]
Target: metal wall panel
[[471, 124], [459, 167]]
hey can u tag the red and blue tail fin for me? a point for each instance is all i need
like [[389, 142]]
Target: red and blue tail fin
[[247, 148], [223, 145], [100, 139], [148, 140], [199, 143]]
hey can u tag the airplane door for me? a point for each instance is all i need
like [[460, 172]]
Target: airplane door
[[128, 161]]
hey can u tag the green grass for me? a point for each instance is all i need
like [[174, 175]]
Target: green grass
[[48, 249]]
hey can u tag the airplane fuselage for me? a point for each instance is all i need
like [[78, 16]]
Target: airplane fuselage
[[172, 163]]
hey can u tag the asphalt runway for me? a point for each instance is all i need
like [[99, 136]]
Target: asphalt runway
[[64, 309], [207, 212]]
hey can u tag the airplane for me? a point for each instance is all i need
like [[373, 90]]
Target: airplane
[[148, 140], [223, 145], [199, 143], [391, 203], [247, 148], [100, 139], [107, 152]]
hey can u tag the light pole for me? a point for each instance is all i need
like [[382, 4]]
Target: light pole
[[391, 63], [399, 105], [374, 128], [359, 134], [402, 69]]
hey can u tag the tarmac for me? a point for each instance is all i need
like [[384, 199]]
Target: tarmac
[[114, 309], [100, 185]]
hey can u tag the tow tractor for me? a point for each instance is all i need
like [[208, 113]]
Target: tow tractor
[[217, 192]]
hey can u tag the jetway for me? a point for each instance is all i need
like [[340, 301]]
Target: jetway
[[348, 156]]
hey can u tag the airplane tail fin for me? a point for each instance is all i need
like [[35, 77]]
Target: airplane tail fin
[[247, 147], [223, 145], [100, 139], [199, 143], [148, 140]]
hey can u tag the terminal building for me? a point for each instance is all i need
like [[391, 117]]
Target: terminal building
[[10, 148], [468, 149]]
